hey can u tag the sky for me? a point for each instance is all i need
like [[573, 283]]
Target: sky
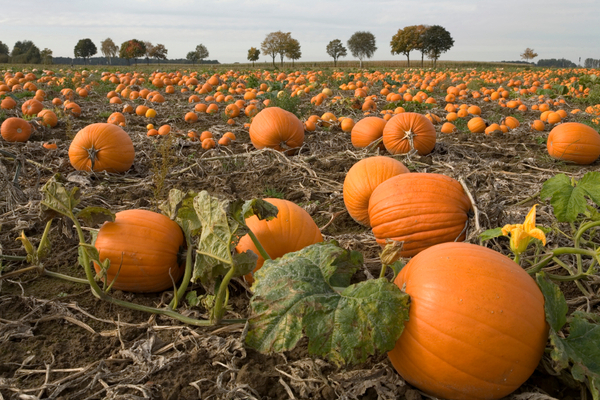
[[483, 30]]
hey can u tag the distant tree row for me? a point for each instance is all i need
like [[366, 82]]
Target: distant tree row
[[591, 63], [25, 52], [553, 62]]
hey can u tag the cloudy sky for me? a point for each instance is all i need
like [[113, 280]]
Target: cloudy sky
[[483, 30]]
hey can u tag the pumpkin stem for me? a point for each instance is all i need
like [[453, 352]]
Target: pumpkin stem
[[409, 135], [93, 156]]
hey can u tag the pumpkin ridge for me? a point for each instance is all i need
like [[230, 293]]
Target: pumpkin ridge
[[441, 307], [408, 359]]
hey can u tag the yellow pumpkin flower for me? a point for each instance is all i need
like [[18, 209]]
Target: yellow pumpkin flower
[[521, 234]]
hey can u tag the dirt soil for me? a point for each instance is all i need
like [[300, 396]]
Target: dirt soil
[[57, 341]]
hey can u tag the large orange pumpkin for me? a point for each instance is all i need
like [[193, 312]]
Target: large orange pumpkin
[[407, 131], [15, 129], [476, 327], [102, 147], [276, 128], [32, 107], [366, 131], [293, 229], [574, 141], [144, 245], [363, 178], [419, 209]]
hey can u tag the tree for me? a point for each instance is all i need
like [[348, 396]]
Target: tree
[[253, 54], [275, 43], [85, 48], [202, 52], [590, 63], [159, 52], [292, 50], [46, 56], [148, 51], [362, 45], [25, 52], [109, 49], [132, 49], [3, 52], [529, 54], [336, 49], [407, 40], [192, 56], [436, 40]]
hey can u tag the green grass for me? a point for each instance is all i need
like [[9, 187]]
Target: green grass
[[273, 192]]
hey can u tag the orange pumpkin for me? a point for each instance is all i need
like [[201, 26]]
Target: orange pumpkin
[[476, 327], [476, 125], [48, 117], [116, 118], [366, 131], [419, 209], [407, 131], [102, 147], [293, 229], [144, 246], [574, 141], [32, 107], [15, 129], [276, 128], [362, 179]]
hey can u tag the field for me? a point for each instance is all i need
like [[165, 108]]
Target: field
[[59, 341]]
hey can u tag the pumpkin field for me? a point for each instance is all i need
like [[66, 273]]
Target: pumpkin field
[[345, 233]]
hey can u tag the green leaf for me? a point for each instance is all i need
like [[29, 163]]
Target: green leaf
[[180, 208], [567, 201], [258, 207], [93, 216], [295, 293], [214, 251], [580, 349], [590, 183], [555, 184], [57, 198], [491, 234], [555, 304], [192, 298]]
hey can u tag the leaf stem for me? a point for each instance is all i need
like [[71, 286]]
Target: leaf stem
[[221, 297], [12, 258], [187, 275], [259, 247]]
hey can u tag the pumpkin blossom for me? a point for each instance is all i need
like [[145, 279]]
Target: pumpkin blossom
[[521, 234]]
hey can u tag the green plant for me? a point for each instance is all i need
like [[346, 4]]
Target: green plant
[[161, 164], [273, 192]]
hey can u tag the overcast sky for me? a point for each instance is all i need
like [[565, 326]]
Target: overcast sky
[[483, 30]]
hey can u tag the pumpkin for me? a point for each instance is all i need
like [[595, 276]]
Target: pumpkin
[[144, 245], [476, 327], [407, 131], [448, 127], [293, 229], [102, 147], [419, 209], [8, 103], [362, 179], [574, 141], [208, 143], [15, 129], [73, 108], [366, 131], [116, 118], [276, 128], [48, 117], [32, 107], [476, 125]]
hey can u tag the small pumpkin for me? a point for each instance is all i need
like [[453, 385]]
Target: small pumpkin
[[293, 229], [144, 245], [48, 117], [32, 107], [276, 128], [362, 179], [102, 147], [476, 125], [574, 141], [407, 131], [419, 209], [476, 327], [15, 129], [366, 131]]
